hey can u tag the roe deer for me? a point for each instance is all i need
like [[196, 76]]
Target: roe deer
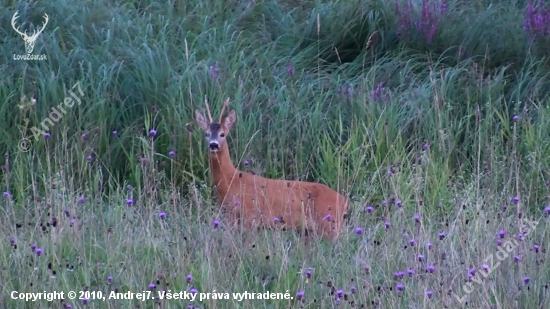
[[257, 202]]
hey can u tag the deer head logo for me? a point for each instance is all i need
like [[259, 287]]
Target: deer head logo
[[29, 40]]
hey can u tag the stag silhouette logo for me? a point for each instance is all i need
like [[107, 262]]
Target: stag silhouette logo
[[30, 40]]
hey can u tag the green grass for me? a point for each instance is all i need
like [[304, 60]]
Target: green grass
[[424, 122]]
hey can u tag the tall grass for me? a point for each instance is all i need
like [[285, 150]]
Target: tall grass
[[432, 116]]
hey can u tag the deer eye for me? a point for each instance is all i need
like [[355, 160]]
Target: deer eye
[[207, 134], [222, 135]]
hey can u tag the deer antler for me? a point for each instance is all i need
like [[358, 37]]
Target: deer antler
[[43, 26], [223, 109], [13, 24], [207, 108]]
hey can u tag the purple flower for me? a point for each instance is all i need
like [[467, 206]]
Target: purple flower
[[517, 258], [400, 287], [189, 278], [377, 92], [68, 306], [398, 203], [426, 146], [410, 271], [152, 286], [276, 220], [300, 295], [143, 160], [81, 199], [72, 222], [412, 242], [33, 247], [327, 217], [39, 251], [398, 275], [84, 136], [216, 223], [246, 162], [502, 233], [309, 271], [429, 293], [214, 72], [515, 118], [416, 218], [152, 132], [85, 300], [340, 293], [499, 242], [115, 132], [352, 289], [515, 199], [369, 209], [536, 247], [504, 207], [193, 291], [109, 278], [430, 268], [6, 194], [429, 245], [89, 158], [129, 201], [172, 153], [387, 224], [290, 71], [526, 279], [485, 267], [358, 231], [547, 210], [12, 240], [162, 215], [520, 236], [441, 236], [47, 135], [420, 258]]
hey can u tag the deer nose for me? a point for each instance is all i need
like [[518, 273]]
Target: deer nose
[[214, 146]]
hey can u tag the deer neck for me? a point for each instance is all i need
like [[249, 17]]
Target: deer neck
[[222, 169]]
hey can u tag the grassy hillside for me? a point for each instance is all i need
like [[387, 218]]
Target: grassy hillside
[[431, 115]]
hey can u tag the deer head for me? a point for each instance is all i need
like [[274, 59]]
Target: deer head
[[29, 40], [215, 132]]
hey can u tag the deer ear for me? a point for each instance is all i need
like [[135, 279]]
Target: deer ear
[[201, 121], [230, 120]]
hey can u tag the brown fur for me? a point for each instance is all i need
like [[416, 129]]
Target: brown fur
[[257, 202]]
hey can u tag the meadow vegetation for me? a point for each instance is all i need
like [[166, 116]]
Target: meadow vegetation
[[431, 115]]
